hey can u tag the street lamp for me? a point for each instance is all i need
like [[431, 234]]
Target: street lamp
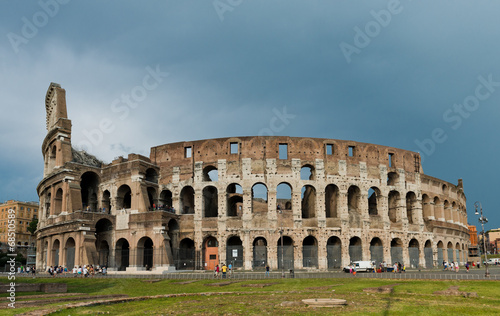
[[482, 220]]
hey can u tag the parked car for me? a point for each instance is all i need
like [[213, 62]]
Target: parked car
[[360, 266]]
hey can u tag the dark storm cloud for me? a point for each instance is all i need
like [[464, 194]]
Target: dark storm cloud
[[231, 69]]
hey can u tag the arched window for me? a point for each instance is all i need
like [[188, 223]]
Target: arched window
[[393, 201], [89, 184], [210, 202], [234, 196], [187, 200], [210, 173], [259, 198], [124, 197], [331, 201], [373, 195], [284, 196], [307, 172], [308, 201]]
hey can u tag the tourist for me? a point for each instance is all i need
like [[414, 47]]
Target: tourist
[[467, 267], [104, 270], [75, 270], [216, 272], [267, 270], [230, 268], [224, 271], [79, 271], [456, 267]]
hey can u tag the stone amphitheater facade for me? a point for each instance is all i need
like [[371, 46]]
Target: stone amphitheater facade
[[286, 202]]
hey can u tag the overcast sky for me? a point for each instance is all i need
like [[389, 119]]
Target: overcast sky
[[417, 75]]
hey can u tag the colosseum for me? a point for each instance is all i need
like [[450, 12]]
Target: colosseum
[[287, 202]]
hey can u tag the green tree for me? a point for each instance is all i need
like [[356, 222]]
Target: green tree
[[33, 225]]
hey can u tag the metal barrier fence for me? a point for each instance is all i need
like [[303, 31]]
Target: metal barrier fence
[[299, 275]]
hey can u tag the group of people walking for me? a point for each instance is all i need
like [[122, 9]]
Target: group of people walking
[[78, 271], [223, 271]]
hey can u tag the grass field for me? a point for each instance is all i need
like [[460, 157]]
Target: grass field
[[252, 298]]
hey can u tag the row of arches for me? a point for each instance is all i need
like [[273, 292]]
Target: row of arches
[[286, 251], [391, 204]]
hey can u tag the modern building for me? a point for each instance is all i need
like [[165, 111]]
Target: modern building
[[286, 202], [24, 212]]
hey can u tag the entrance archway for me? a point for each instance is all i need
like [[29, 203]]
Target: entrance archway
[[211, 253]]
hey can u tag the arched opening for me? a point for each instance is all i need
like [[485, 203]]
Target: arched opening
[[187, 200], [56, 245], [103, 253], [414, 253], [307, 172], [124, 197], [331, 201], [284, 196], [376, 251], [106, 202], [440, 252], [457, 252], [89, 185], [45, 253], [373, 194], [210, 173], [259, 198], [153, 199], [411, 203], [427, 207], [152, 175], [185, 255], [70, 253], [355, 249], [429, 261], [310, 252], [393, 202], [48, 198], [259, 252], [334, 252], [234, 197], [234, 252], [450, 252], [285, 253], [122, 254], [397, 250], [447, 211], [210, 202], [392, 178], [145, 253], [58, 202], [438, 209], [308, 201], [353, 200], [104, 235], [211, 253], [165, 200]]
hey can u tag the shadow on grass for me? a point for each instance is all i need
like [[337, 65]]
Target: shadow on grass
[[389, 300]]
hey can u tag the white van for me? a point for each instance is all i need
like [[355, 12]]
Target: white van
[[361, 266], [494, 261]]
